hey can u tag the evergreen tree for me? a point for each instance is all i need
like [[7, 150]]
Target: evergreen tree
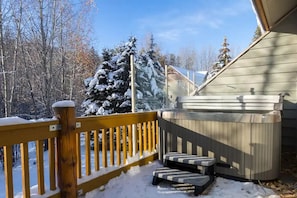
[[223, 59], [257, 34], [150, 79], [108, 91]]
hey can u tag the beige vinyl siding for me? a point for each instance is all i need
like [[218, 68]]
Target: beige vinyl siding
[[269, 67], [258, 77], [284, 39], [272, 53]]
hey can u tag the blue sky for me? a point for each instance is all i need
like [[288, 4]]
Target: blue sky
[[175, 24]]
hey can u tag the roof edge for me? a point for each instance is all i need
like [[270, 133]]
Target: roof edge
[[186, 77], [230, 63], [260, 12]]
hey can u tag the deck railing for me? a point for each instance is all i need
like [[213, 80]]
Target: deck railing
[[78, 149]]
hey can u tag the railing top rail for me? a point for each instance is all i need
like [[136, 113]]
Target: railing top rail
[[238, 98], [29, 124], [31, 131], [108, 121], [231, 103], [19, 133]]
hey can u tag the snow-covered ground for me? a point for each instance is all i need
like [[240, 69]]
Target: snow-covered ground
[[136, 183]]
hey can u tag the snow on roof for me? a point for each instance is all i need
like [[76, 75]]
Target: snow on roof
[[199, 76], [12, 121]]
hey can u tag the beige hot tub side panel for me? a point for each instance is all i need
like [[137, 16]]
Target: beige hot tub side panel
[[250, 149]]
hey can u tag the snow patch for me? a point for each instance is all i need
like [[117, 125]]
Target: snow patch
[[12, 121], [63, 103]]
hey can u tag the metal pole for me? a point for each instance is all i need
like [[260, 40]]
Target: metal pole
[[133, 103], [133, 91], [194, 79], [166, 86], [188, 76]]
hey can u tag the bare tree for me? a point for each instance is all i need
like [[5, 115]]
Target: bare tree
[[206, 58], [44, 45], [192, 59], [56, 31], [4, 71], [188, 58], [9, 47]]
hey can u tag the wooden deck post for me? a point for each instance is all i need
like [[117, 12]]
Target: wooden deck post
[[66, 149]]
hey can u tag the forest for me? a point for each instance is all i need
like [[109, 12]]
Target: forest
[[45, 54]]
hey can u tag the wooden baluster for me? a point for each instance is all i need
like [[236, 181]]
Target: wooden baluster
[[149, 136], [144, 136], [104, 148], [154, 134], [96, 151], [25, 170], [87, 153], [111, 147], [40, 166], [130, 140], [52, 166], [140, 139], [8, 171], [124, 139], [118, 145], [78, 154]]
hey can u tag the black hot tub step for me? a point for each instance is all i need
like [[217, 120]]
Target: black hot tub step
[[189, 159], [201, 182]]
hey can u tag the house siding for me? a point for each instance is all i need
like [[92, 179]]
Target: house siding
[[178, 85], [269, 68]]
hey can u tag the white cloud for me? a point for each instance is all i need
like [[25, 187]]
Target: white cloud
[[175, 24], [172, 34], [172, 26]]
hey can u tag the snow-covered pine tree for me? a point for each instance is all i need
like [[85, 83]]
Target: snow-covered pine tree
[[108, 91], [224, 56], [223, 59], [150, 80]]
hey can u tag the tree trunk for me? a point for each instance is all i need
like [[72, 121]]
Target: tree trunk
[[2, 62]]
